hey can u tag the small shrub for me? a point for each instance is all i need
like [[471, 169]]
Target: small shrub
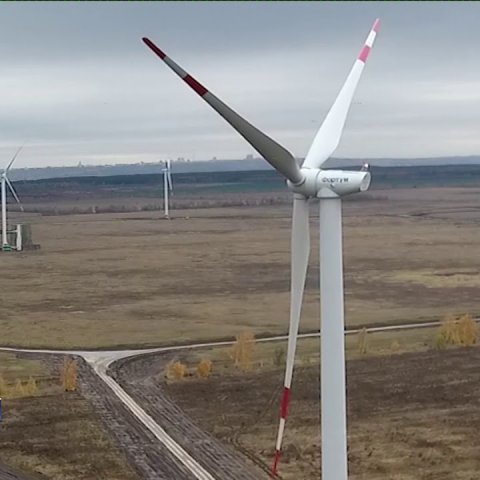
[[468, 331], [204, 368], [440, 341], [175, 370], [243, 350], [447, 334], [453, 331], [69, 375]]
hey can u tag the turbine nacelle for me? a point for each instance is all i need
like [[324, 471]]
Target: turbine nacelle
[[319, 183]]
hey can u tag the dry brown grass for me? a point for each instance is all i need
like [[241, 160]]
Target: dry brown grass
[[68, 375], [243, 350], [176, 371], [457, 331], [18, 390], [264, 359], [468, 330], [118, 279], [204, 368], [31, 387]]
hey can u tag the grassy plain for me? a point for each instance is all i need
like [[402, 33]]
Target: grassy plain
[[116, 279], [105, 280]]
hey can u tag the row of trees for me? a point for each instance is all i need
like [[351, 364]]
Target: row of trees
[[454, 330], [18, 388], [29, 388], [457, 331], [241, 354], [462, 331]]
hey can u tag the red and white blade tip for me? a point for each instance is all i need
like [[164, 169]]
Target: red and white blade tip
[[369, 42], [188, 79], [153, 47]]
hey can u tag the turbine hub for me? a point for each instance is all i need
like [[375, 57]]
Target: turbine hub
[[323, 183]]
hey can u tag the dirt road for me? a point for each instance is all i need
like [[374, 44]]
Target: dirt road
[[218, 458]]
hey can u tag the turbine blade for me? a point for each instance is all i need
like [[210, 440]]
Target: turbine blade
[[279, 157], [328, 136], [13, 159], [168, 167], [14, 193], [300, 255]]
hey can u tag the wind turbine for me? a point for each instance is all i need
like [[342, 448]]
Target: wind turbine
[[4, 183], [306, 183], [167, 185]]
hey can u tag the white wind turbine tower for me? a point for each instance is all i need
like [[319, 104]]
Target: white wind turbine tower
[[167, 186], [307, 183], [4, 183]]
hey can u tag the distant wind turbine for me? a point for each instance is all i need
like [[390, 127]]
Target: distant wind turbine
[[167, 186], [5, 182]]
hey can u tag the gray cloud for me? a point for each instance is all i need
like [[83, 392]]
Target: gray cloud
[[79, 85]]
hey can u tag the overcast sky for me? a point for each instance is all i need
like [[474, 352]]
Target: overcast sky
[[78, 84]]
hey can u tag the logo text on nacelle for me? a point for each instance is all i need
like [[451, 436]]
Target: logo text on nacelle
[[334, 180]]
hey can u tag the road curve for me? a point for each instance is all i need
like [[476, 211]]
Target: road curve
[[101, 360]]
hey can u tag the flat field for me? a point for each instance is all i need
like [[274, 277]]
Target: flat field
[[117, 279]]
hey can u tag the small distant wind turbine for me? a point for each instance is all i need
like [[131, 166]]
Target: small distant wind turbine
[[310, 182], [4, 183], [167, 185]]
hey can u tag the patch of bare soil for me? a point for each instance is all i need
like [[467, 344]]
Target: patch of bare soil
[[413, 416]]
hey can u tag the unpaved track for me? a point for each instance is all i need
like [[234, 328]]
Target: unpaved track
[[212, 454], [150, 456], [147, 446]]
